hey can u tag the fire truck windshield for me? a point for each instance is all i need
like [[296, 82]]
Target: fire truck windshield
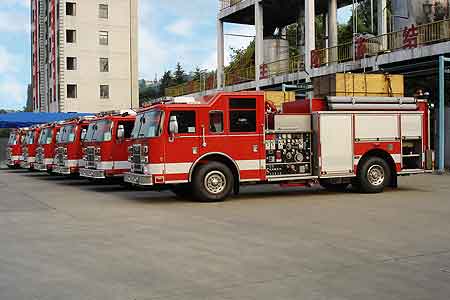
[[148, 125], [99, 131], [46, 136], [29, 140], [12, 139], [67, 134]]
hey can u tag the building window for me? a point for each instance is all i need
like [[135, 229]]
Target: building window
[[104, 65], [71, 9], [71, 36], [72, 91], [71, 63], [103, 11], [104, 91], [104, 38]]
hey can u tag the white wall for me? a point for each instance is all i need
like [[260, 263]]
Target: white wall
[[88, 52]]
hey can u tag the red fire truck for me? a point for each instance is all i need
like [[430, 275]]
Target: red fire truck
[[210, 147], [46, 147], [14, 149], [29, 147], [69, 147], [105, 147]]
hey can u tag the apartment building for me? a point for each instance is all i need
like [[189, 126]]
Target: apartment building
[[84, 55]]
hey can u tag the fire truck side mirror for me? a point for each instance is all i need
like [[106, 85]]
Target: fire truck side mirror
[[83, 134], [120, 132], [173, 125]]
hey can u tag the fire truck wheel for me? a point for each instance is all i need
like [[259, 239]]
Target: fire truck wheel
[[374, 175], [212, 182]]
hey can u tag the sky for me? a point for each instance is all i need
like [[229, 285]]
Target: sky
[[170, 32]]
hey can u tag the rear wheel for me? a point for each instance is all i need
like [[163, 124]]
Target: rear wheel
[[374, 175], [212, 182]]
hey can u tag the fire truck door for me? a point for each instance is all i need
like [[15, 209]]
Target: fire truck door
[[183, 146]]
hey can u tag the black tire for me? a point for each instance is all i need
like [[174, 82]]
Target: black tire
[[212, 182], [373, 175], [334, 187], [182, 191]]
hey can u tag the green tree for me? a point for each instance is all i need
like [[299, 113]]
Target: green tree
[[179, 74], [166, 81], [197, 74]]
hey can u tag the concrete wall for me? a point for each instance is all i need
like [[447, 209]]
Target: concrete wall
[[3, 143], [121, 51]]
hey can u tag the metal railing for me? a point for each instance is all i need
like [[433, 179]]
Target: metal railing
[[409, 38], [223, 4], [240, 75], [195, 86]]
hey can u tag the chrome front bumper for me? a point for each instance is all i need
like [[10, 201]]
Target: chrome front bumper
[[25, 165], [40, 167], [138, 179], [90, 173], [61, 170]]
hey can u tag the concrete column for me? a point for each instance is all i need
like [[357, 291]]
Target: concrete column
[[326, 25], [220, 55], [310, 33], [332, 23], [259, 39], [382, 21]]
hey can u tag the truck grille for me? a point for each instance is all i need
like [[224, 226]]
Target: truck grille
[[25, 153], [137, 159], [59, 156], [90, 157], [40, 155], [8, 154]]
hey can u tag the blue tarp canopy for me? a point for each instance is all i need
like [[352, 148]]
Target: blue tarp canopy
[[27, 119]]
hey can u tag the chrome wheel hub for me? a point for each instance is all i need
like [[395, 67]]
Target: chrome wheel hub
[[375, 175], [215, 182]]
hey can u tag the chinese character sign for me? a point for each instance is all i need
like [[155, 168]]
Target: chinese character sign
[[410, 35]]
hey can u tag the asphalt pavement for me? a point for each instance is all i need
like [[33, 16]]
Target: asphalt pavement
[[71, 239]]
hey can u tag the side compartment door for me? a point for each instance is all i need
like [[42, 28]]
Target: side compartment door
[[336, 145]]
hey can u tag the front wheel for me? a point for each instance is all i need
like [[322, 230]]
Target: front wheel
[[212, 182], [374, 175]]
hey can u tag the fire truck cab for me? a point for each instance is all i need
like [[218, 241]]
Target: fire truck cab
[[14, 149], [208, 148], [46, 147], [29, 147], [105, 146], [69, 148]]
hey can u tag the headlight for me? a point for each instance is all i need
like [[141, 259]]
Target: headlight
[[84, 157], [145, 149], [144, 160], [130, 149], [130, 158], [97, 158], [65, 150], [97, 150]]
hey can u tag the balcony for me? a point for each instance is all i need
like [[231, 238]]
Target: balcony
[[410, 38]]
